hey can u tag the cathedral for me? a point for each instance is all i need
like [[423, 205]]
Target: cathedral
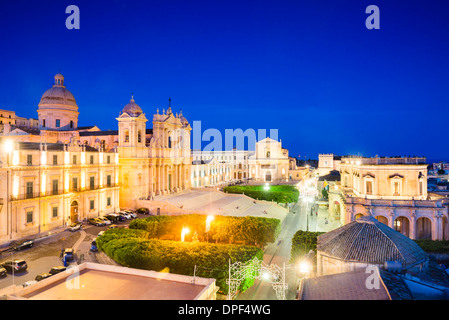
[[54, 172]]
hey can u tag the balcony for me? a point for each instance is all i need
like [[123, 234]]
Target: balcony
[[34, 195]]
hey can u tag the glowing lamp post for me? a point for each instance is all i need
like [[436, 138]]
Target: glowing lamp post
[[184, 231], [208, 221], [266, 187], [304, 267]]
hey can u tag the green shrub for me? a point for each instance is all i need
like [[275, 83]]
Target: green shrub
[[250, 230], [133, 249], [434, 246], [302, 243], [277, 193]]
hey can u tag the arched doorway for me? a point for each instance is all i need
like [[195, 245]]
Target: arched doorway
[[358, 215], [402, 225], [424, 228], [268, 176], [74, 211], [382, 219]]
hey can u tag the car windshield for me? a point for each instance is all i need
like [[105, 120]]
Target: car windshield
[[21, 263]]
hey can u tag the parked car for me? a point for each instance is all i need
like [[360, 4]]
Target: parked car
[[113, 217], [42, 276], [143, 211], [105, 220], [93, 245], [19, 245], [56, 270], [76, 226], [3, 272], [100, 233], [131, 213], [18, 265], [96, 222], [121, 217], [69, 253], [125, 214]]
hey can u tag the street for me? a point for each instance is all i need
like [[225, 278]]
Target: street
[[45, 253], [279, 253]]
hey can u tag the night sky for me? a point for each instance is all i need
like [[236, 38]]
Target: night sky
[[310, 69]]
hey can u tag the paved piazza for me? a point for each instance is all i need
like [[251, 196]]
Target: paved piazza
[[216, 202]]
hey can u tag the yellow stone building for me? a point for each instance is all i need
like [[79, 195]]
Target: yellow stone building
[[394, 191]]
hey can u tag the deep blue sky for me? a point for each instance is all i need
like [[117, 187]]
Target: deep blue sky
[[308, 68]]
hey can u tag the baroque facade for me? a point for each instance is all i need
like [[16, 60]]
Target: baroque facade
[[57, 172], [394, 191]]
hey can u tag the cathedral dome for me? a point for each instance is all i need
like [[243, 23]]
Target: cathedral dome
[[132, 108], [58, 94]]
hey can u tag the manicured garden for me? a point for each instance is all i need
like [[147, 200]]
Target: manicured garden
[[276, 193], [205, 253]]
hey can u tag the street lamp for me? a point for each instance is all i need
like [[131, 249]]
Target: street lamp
[[208, 221], [304, 267], [184, 231], [266, 187]]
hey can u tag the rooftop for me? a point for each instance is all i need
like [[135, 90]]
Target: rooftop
[[352, 286], [367, 240], [107, 282]]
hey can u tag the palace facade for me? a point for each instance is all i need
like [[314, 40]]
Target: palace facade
[[392, 190]]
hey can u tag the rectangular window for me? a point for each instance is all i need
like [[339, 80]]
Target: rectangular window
[[43, 123], [55, 212], [108, 159], [29, 159], [109, 180], [396, 188], [420, 188], [92, 204], [369, 187], [92, 182], [74, 159], [75, 183], [108, 201], [55, 160], [29, 216], [58, 123], [91, 159], [55, 186], [29, 193]]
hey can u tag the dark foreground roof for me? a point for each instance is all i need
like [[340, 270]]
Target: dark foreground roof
[[367, 240]]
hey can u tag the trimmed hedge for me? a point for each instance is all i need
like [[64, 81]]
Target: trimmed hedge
[[133, 248], [302, 243], [277, 193], [434, 246], [250, 230]]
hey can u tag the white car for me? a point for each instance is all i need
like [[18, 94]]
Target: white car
[[134, 215], [125, 214], [75, 226], [100, 234]]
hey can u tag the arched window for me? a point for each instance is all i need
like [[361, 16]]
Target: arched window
[[268, 154], [139, 136], [126, 136], [169, 142]]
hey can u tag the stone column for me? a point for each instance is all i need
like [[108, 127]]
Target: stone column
[[391, 219], [412, 234]]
